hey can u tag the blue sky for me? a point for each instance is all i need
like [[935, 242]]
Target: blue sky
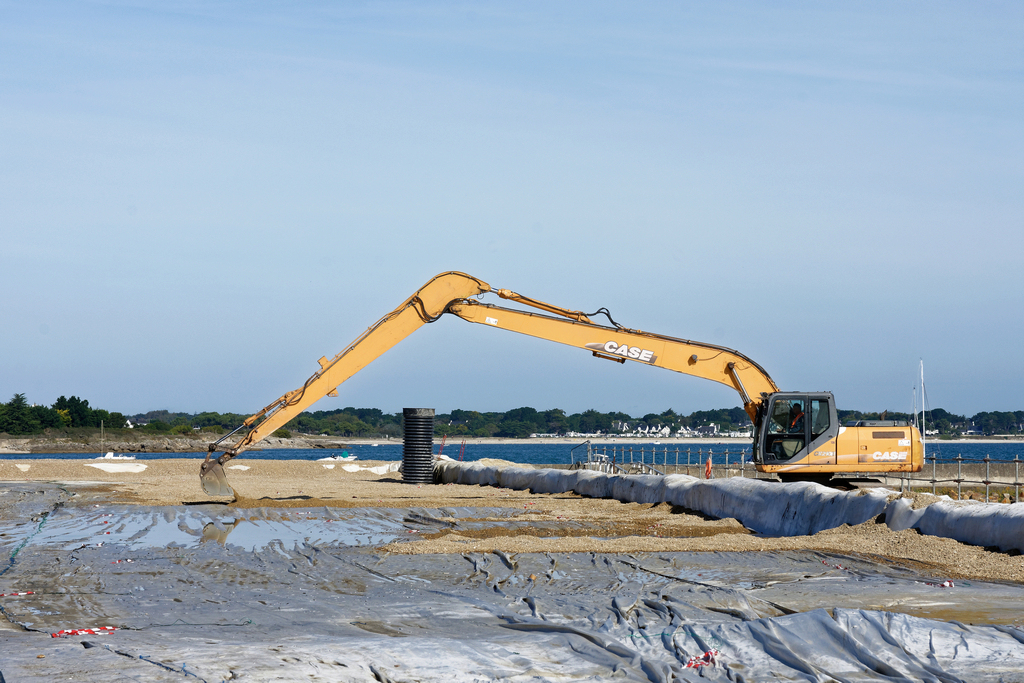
[[201, 199]]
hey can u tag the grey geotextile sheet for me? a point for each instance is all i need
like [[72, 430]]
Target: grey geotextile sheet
[[207, 593]]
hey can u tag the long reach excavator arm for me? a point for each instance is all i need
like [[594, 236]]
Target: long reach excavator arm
[[450, 293], [796, 434]]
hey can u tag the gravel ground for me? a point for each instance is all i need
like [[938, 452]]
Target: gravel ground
[[580, 524]]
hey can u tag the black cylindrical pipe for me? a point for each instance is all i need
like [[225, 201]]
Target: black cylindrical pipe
[[418, 446]]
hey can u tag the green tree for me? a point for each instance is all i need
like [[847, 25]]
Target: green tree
[[16, 417], [557, 423], [48, 418], [590, 421], [515, 429], [488, 430], [996, 422], [526, 415], [65, 416], [81, 413]]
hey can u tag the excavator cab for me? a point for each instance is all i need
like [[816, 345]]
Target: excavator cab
[[796, 427]]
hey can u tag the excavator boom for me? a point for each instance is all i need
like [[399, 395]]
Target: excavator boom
[[816, 445], [449, 293]]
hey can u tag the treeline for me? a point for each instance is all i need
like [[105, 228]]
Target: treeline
[[516, 423], [984, 423], [17, 418], [950, 424]]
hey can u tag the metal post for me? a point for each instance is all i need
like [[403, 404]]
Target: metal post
[[933, 474], [1016, 478], [959, 475], [727, 462], [987, 478]]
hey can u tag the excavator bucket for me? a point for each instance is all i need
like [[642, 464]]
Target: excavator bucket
[[214, 479]]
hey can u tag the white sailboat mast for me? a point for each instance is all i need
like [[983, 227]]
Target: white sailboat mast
[[924, 448]]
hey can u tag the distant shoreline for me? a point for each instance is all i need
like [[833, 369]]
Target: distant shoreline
[[189, 444]]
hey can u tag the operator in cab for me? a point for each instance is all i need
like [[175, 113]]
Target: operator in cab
[[796, 419]]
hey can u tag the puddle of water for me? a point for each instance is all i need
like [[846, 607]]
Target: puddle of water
[[251, 530]]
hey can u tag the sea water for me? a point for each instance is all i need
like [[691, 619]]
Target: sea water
[[536, 452]]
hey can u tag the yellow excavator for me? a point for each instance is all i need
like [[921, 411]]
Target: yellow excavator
[[797, 435]]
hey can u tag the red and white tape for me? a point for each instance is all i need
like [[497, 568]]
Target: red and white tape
[[706, 659], [945, 584], [83, 632], [7, 595]]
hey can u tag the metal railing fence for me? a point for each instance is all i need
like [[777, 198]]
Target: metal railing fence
[[974, 472]]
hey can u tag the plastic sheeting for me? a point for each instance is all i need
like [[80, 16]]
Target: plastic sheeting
[[199, 593], [772, 508], [985, 524]]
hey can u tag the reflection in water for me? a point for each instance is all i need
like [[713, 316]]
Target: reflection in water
[[218, 532]]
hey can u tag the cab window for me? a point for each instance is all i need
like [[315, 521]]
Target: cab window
[[788, 417], [819, 418], [786, 429]]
